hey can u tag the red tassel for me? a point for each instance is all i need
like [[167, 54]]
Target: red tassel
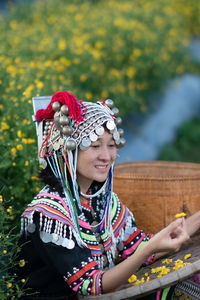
[[64, 97]]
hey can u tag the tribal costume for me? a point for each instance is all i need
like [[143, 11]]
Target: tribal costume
[[56, 265]]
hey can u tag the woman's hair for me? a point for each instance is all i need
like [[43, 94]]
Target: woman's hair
[[48, 178]]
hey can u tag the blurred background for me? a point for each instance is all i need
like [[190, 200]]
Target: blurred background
[[145, 55]]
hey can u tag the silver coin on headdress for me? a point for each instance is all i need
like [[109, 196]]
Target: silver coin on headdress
[[116, 135], [109, 103], [82, 147], [93, 137], [110, 125], [99, 130], [122, 142], [117, 141], [118, 121], [115, 111], [86, 142], [121, 132]]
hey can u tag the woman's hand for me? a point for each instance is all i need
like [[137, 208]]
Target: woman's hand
[[170, 238]]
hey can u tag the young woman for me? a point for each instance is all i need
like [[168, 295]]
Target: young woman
[[76, 227]]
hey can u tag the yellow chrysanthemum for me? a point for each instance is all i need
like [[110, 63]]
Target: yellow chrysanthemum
[[19, 147], [22, 263], [180, 215]]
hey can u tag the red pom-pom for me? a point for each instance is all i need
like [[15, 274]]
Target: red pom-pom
[[64, 97]]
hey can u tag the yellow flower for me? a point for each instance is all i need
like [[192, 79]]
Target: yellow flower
[[28, 90], [9, 210], [62, 45], [9, 285], [34, 178], [11, 218], [22, 263], [88, 95], [19, 147], [4, 251], [26, 163], [131, 72], [23, 280], [187, 256], [13, 151], [37, 189], [19, 133], [39, 84], [104, 94], [28, 141], [167, 261], [83, 77], [1, 198], [4, 126], [132, 278], [180, 215]]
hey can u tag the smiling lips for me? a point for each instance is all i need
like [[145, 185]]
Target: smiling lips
[[103, 168]]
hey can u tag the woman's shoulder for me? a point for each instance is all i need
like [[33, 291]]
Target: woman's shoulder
[[49, 203]]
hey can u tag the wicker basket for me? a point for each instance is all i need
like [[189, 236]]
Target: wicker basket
[[157, 190]]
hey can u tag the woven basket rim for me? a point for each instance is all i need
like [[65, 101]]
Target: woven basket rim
[[157, 165]]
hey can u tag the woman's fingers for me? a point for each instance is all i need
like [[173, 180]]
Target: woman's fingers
[[171, 237]]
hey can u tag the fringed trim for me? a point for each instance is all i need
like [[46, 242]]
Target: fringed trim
[[52, 230]]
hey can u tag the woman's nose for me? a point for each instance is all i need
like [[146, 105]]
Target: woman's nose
[[105, 154]]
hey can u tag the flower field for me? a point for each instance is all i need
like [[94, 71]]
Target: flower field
[[122, 50]]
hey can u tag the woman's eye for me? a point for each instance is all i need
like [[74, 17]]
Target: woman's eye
[[95, 146]]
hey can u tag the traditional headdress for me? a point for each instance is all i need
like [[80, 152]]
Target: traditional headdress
[[65, 124]]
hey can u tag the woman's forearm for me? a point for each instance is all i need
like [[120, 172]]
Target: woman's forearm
[[193, 223], [118, 275]]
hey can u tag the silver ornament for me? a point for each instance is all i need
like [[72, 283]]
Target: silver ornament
[[31, 228], [115, 111], [110, 125], [122, 143], [71, 244], [109, 103], [56, 106], [46, 237], [66, 130], [64, 110], [121, 131], [57, 123], [99, 130], [86, 142], [70, 144], [118, 121], [116, 135], [54, 237], [82, 147], [65, 243], [93, 137], [64, 120]]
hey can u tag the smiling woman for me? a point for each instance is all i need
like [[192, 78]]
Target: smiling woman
[[76, 228], [95, 163]]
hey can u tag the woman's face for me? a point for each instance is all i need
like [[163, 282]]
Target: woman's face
[[95, 163]]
